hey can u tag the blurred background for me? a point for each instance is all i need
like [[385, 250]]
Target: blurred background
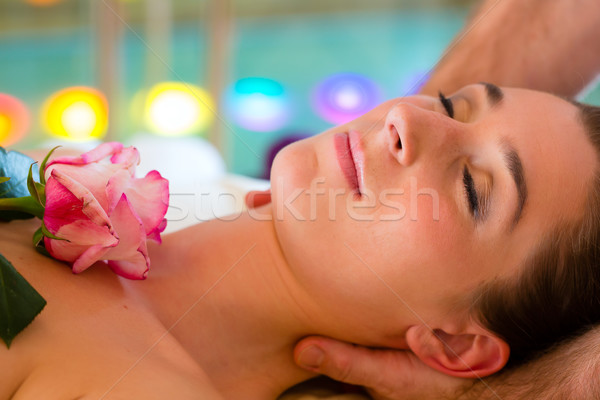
[[209, 85]]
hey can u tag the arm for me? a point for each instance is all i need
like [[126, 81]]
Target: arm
[[537, 44]]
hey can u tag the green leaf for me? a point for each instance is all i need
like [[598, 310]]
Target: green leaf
[[38, 242], [49, 234], [37, 237], [20, 303], [26, 205], [15, 166], [31, 185], [41, 189], [43, 166], [4, 179]]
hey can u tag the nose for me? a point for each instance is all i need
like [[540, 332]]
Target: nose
[[412, 129]]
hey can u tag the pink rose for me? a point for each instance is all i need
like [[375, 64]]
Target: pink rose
[[102, 211]]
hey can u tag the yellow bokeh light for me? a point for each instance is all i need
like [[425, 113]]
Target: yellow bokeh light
[[5, 127], [177, 109], [79, 119], [77, 113]]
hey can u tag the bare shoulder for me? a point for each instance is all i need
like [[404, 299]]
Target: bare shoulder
[[94, 368], [18, 360], [94, 338], [15, 366]]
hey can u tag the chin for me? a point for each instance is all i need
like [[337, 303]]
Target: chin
[[293, 167]]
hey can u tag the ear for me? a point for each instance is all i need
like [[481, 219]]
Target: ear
[[475, 354]]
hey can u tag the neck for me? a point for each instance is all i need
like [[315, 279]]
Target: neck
[[224, 290]]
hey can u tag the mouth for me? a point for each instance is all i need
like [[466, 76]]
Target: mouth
[[350, 158]]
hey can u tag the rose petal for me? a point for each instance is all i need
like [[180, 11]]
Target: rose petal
[[86, 233], [89, 257], [155, 234], [95, 177], [130, 257], [128, 157], [93, 169], [102, 151], [132, 269], [95, 202], [81, 257], [80, 220], [149, 197], [88, 203], [63, 250]]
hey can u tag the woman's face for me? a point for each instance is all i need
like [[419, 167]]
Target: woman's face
[[400, 214]]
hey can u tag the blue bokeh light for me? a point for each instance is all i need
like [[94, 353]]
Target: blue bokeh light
[[258, 104]]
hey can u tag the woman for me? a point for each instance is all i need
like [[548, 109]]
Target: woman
[[393, 230]]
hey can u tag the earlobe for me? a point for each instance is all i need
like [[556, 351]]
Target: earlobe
[[475, 354], [257, 198]]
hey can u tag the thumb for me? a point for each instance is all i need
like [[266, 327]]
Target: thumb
[[342, 361], [386, 373]]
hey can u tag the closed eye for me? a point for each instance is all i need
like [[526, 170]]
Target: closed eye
[[471, 193], [469, 184], [447, 103]]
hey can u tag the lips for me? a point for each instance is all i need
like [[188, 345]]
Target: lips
[[348, 155]]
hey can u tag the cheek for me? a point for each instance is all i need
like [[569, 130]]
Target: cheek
[[452, 259], [350, 262], [425, 261]]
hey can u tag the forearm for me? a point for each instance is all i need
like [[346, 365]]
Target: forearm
[[548, 45]]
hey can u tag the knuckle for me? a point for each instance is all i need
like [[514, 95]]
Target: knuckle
[[392, 380], [344, 370]]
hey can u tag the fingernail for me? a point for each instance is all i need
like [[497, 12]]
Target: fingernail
[[311, 357]]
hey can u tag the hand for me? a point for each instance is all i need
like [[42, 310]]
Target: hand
[[386, 374]]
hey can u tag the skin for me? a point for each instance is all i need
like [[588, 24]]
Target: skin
[[431, 280], [541, 45], [226, 301]]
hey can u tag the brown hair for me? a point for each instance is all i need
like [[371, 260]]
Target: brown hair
[[568, 370], [557, 293]]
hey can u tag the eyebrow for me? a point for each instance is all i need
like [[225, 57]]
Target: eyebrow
[[493, 92], [515, 166]]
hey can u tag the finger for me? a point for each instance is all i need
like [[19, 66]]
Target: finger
[[257, 198], [348, 363], [386, 373]]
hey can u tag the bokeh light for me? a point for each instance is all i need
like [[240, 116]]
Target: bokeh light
[[178, 109], [42, 3], [76, 113], [342, 97], [14, 120], [258, 104]]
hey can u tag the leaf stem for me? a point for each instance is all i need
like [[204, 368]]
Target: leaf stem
[[26, 204]]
